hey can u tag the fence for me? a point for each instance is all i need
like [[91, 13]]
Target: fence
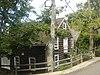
[[68, 61]]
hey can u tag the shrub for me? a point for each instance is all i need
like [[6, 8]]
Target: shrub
[[97, 53], [86, 57], [63, 67]]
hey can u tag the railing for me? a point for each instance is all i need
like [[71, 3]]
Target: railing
[[16, 70], [68, 61], [33, 69]]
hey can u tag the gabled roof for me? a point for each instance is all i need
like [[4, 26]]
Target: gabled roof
[[75, 34], [59, 21]]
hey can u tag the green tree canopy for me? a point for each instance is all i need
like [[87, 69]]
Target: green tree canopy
[[26, 34], [45, 16], [12, 12], [82, 20]]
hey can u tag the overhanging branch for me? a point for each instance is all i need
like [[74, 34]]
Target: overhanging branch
[[96, 28]]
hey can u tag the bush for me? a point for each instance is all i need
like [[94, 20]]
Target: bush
[[97, 53], [86, 57], [63, 67]]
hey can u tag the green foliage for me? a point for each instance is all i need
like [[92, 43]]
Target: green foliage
[[82, 20], [62, 33], [63, 67], [96, 39], [86, 57], [97, 53], [12, 12], [45, 28], [13, 33], [5, 44], [45, 16], [26, 34], [95, 5], [83, 40], [95, 23]]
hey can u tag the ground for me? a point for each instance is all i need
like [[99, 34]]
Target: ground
[[93, 69]]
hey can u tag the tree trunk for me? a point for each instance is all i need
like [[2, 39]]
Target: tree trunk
[[52, 38], [91, 41]]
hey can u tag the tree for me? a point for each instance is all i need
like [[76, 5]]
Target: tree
[[45, 16], [26, 34], [95, 5], [83, 20], [12, 12]]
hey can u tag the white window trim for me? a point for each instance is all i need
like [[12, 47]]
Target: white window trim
[[56, 45], [65, 27], [56, 61], [30, 67], [17, 62], [65, 44], [5, 61]]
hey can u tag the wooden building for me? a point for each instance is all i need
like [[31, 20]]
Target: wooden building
[[62, 45]]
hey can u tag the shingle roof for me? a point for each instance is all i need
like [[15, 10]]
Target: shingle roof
[[75, 34], [58, 21]]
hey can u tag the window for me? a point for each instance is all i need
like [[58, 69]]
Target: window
[[65, 44], [56, 45], [64, 25], [56, 59], [17, 61], [32, 61], [5, 61]]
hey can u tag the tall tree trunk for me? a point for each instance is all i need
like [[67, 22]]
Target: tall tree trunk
[[91, 39], [52, 38], [91, 42]]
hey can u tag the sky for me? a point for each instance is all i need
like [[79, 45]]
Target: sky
[[39, 5]]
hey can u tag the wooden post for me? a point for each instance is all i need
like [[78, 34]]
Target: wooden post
[[71, 60], [94, 51], [81, 56], [15, 69]]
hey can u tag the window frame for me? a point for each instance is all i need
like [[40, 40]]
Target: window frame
[[65, 44], [17, 62], [30, 66], [56, 61], [56, 45]]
